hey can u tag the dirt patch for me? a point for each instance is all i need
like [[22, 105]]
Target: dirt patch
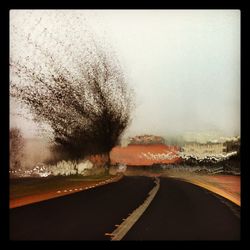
[[145, 155]]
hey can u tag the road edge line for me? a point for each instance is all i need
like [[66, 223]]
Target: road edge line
[[215, 190]]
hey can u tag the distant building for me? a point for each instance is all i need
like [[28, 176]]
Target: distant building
[[232, 145], [146, 139], [194, 148]]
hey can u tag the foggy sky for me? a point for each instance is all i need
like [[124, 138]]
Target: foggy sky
[[183, 65]]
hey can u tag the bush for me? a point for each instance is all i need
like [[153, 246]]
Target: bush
[[16, 148]]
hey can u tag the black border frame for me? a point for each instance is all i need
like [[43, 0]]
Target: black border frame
[[4, 204]]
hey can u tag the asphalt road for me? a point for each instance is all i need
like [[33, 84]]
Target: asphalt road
[[179, 211], [86, 215], [183, 211]]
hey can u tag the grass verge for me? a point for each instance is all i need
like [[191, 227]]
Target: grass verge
[[25, 191]]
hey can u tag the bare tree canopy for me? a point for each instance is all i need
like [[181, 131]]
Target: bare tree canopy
[[80, 92]]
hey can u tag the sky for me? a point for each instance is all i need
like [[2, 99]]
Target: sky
[[184, 66]]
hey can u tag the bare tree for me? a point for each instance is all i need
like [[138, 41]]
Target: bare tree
[[87, 106], [16, 148]]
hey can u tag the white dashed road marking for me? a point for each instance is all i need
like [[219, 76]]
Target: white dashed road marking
[[84, 188]]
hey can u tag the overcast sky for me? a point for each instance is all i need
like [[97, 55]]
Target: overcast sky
[[183, 65]]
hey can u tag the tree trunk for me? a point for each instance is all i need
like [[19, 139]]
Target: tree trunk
[[100, 160]]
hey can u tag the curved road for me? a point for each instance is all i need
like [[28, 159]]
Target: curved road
[[86, 215], [179, 211], [183, 211]]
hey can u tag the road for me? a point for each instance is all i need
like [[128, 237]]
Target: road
[[179, 211], [183, 211], [86, 215]]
